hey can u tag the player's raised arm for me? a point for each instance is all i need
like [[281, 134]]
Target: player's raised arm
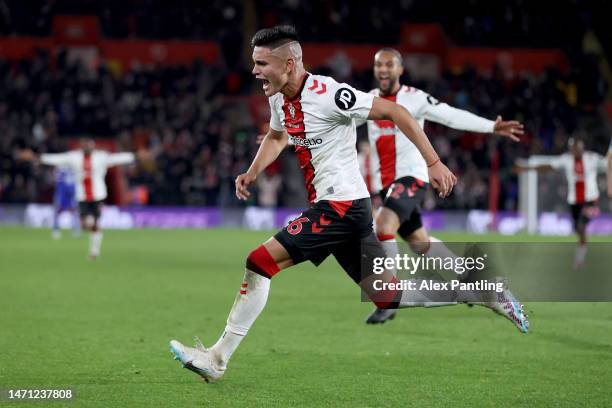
[[272, 145], [439, 112], [116, 159], [55, 159], [440, 176], [540, 164]]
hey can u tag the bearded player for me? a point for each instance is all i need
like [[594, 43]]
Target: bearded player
[[399, 171]]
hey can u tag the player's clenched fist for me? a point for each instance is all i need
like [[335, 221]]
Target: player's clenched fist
[[243, 182], [441, 178]]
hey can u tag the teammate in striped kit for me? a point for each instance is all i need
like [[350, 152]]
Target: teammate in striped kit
[[581, 168], [89, 167], [399, 172], [317, 114]]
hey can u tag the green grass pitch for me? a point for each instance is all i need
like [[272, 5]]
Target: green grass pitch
[[102, 328]]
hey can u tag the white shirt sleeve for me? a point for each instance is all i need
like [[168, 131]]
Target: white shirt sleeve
[[556, 162], [433, 110], [350, 103], [55, 159], [360, 122], [602, 162], [115, 159], [275, 121]]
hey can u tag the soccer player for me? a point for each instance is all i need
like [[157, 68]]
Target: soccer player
[[64, 199], [89, 167], [317, 114], [399, 172], [581, 168]]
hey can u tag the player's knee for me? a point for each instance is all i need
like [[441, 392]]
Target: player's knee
[[385, 229], [384, 232], [261, 262], [417, 239]]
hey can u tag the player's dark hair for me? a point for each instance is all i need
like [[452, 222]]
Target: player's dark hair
[[274, 37]]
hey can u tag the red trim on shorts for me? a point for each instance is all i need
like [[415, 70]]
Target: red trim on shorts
[[341, 207], [87, 181]]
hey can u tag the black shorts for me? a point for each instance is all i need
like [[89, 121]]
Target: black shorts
[[405, 197], [332, 227], [93, 208], [582, 213]]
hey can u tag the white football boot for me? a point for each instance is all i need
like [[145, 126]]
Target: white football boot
[[200, 360], [504, 303]]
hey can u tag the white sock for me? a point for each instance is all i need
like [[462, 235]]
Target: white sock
[[249, 303], [580, 254], [416, 298], [95, 243], [390, 247], [435, 298], [437, 249]]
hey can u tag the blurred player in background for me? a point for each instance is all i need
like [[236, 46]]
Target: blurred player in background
[[398, 172], [89, 167], [318, 114], [581, 168], [610, 169], [64, 199]]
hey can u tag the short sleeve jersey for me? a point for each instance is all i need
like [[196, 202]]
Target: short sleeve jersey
[[320, 123]]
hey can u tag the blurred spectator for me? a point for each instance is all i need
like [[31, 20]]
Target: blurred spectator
[[192, 124]]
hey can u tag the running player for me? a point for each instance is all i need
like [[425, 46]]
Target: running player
[[89, 167], [581, 168], [317, 114], [399, 172]]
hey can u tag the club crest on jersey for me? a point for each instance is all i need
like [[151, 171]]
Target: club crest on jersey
[[291, 111], [345, 98]]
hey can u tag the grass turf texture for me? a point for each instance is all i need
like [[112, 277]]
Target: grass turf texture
[[102, 328]]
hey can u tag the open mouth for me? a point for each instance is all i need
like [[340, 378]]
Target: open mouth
[[266, 84], [384, 81]]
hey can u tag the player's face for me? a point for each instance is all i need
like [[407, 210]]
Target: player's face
[[271, 69], [88, 145], [387, 71], [576, 147]]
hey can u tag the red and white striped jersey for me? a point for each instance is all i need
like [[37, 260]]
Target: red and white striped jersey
[[89, 170], [393, 155], [319, 122], [581, 175]]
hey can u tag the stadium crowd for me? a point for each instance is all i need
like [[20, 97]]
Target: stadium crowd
[[192, 125]]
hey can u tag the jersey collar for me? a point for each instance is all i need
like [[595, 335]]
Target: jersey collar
[[299, 92]]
